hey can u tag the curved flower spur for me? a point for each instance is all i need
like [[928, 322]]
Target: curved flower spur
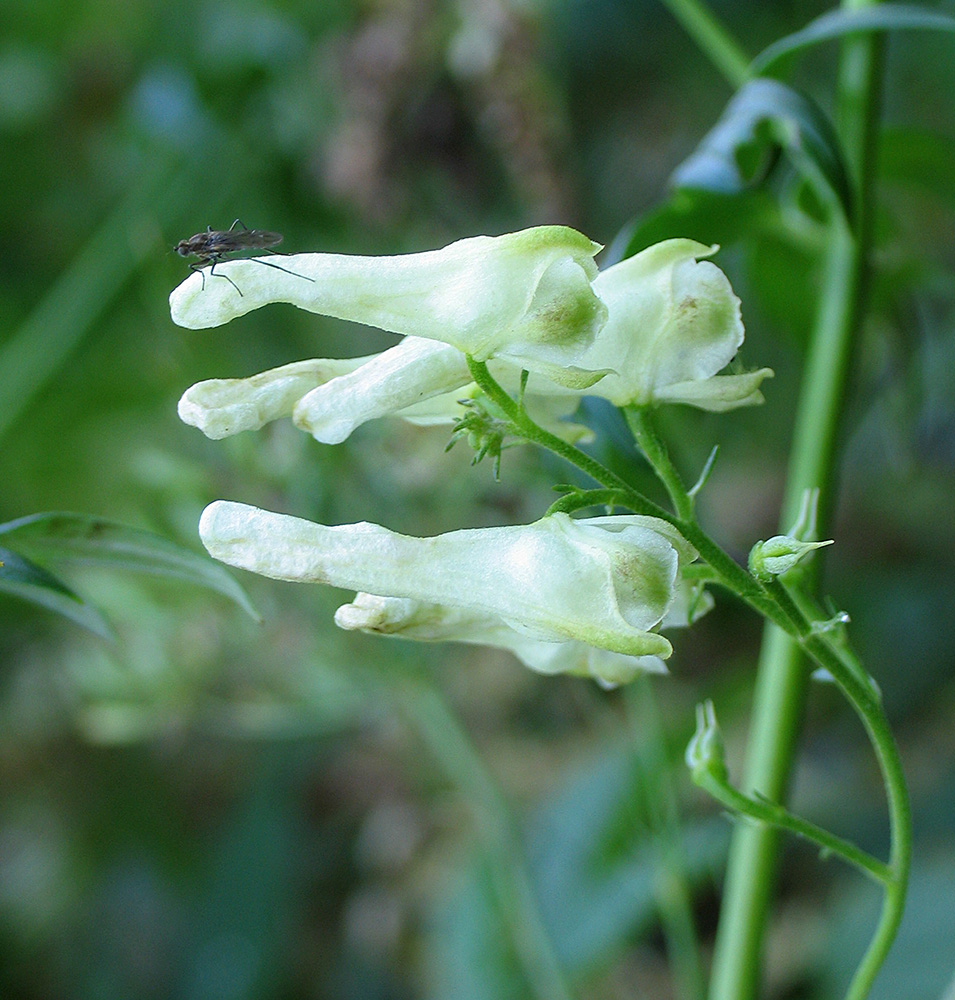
[[211, 246]]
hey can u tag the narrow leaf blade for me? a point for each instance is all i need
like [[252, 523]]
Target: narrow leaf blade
[[24, 579], [837, 23], [93, 541]]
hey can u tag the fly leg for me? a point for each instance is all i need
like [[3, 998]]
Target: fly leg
[[212, 272], [278, 267], [202, 274]]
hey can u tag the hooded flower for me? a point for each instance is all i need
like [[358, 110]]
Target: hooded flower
[[674, 322], [524, 296], [605, 582], [657, 327]]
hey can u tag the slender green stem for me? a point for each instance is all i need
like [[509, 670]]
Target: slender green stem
[[527, 429], [729, 573], [794, 631], [780, 817], [782, 677], [453, 749], [873, 718], [578, 499], [640, 422], [723, 50]]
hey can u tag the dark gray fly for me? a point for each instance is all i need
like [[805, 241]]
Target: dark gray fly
[[213, 245]]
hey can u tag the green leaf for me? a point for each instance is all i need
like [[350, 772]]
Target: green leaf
[[93, 541], [24, 579], [837, 23], [764, 119], [595, 871]]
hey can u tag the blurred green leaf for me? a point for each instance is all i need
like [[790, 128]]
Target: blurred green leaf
[[764, 119], [837, 23], [93, 541], [24, 579], [596, 888], [74, 301]]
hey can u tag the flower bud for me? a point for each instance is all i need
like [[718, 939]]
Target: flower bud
[[778, 555], [705, 753]]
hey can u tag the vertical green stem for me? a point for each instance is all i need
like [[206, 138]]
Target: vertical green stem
[[645, 434], [782, 674]]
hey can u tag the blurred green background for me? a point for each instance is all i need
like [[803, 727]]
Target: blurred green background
[[213, 809]]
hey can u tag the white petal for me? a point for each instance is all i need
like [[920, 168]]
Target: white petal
[[411, 371], [223, 406], [672, 318], [430, 622], [719, 393]]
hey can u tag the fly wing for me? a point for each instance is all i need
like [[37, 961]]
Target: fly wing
[[261, 238], [220, 241]]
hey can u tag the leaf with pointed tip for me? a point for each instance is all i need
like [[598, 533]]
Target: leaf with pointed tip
[[764, 119], [838, 23], [94, 541], [24, 579]]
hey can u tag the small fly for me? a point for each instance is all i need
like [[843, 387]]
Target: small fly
[[211, 246]]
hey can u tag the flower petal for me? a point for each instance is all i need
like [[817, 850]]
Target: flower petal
[[428, 622], [220, 407], [672, 319], [408, 373]]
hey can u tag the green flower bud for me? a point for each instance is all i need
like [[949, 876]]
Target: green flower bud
[[705, 752], [778, 555]]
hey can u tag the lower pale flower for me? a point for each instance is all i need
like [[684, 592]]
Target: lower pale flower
[[605, 582]]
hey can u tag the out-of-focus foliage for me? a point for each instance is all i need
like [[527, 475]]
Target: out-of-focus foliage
[[211, 808]]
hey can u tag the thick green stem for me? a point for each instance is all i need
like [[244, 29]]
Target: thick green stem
[[782, 675]]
